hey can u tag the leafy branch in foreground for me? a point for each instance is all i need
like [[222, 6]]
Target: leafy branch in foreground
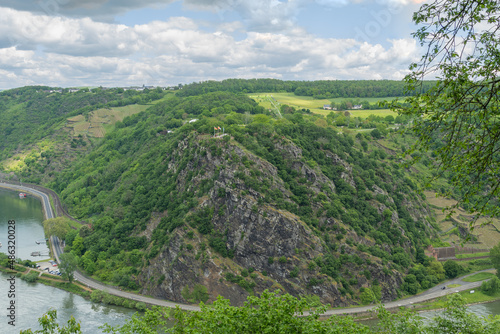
[[277, 313], [458, 118], [50, 326]]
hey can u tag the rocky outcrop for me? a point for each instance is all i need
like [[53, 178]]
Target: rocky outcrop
[[254, 244]]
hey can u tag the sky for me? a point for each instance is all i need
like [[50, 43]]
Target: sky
[[118, 43]]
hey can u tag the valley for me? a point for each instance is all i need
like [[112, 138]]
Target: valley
[[305, 203]]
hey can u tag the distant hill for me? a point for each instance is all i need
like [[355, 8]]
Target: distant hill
[[320, 89]]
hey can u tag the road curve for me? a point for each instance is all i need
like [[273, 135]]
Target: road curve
[[408, 302], [47, 209], [57, 251], [432, 293]]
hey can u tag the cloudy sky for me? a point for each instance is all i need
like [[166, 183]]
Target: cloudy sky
[[69, 43]]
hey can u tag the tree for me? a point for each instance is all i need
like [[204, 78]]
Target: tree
[[452, 269], [436, 268], [491, 286], [376, 134], [49, 325], [495, 258], [367, 296], [273, 312], [68, 265], [456, 319], [458, 117], [276, 313], [58, 227]]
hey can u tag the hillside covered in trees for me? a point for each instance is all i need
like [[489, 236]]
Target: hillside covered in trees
[[287, 203], [320, 89]]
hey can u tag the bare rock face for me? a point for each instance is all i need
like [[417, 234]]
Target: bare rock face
[[293, 155], [346, 175], [255, 245]]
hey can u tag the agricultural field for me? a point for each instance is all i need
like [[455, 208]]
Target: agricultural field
[[307, 102], [361, 113], [487, 231], [97, 122], [316, 106]]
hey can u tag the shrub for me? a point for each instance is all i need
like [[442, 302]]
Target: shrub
[[452, 269], [491, 287], [31, 277], [140, 306]]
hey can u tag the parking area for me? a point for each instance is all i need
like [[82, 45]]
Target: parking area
[[49, 267]]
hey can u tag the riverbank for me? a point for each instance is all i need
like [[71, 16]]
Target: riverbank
[[433, 305], [21, 271], [74, 287], [34, 300], [472, 296]]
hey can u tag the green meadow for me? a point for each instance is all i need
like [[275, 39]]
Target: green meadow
[[315, 105]]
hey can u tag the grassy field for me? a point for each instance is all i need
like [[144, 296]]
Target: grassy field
[[466, 256], [316, 106], [478, 277], [290, 99], [98, 121]]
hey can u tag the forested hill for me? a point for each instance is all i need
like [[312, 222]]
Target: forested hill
[[30, 114], [322, 89], [288, 202]]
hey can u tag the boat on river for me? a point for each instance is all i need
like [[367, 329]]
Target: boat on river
[[22, 195]]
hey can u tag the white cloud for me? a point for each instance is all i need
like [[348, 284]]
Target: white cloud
[[13, 58], [63, 51], [102, 10]]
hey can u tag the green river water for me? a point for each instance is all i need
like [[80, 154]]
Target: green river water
[[34, 299]]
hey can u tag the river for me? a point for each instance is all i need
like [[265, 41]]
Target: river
[[32, 300], [483, 310]]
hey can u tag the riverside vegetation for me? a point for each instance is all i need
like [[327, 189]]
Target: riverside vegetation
[[276, 313]]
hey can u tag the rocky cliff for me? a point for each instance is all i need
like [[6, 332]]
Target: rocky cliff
[[241, 239]]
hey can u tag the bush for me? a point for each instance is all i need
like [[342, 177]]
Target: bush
[[96, 296], [108, 299], [199, 294], [367, 296], [452, 269], [31, 277], [140, 306], [491, 287]]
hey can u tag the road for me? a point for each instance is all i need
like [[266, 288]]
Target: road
[[432, 293], [47, 209], [117, 292], [57, 251]]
